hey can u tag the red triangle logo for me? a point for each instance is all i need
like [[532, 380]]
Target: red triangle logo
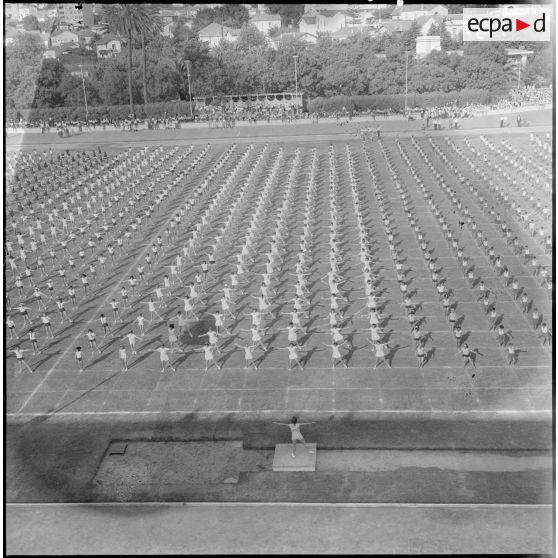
[[519, 25]]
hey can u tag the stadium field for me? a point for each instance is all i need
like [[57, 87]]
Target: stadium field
[[441, 386]]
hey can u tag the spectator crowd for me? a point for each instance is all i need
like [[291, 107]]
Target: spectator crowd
[[227, 116]]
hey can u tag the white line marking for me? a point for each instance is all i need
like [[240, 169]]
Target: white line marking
[[286, 410], [275, 505]]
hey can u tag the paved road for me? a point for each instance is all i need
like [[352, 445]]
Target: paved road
[[276, 528]]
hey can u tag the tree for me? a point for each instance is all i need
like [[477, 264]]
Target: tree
[[232, 15], [389, 78], [181, 32], [433, 73], [229, 15], [478, 73], [109, 77], [71, 89], [30, 23], [133, 20], [250, 38], [120, 20], [290, 13], [203, 18], [354, 16], [48, 93], [146, 24], [539, 69], [198, 54], [446, 42], [409, 38], [23, 61], [483, 50]]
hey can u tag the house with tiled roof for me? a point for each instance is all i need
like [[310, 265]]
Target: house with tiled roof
[[232, 34], [330, 21], [392, 27], [266, 22], [66, 36], [427, 21], [109, 45], [85, 36], [213, 33], [326, 21], [308, 24], [287, 33], [346, 32]]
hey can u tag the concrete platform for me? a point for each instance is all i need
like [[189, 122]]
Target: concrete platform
[[283, 459]]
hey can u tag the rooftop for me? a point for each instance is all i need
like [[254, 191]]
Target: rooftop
[[214, 30], [393, 26], [266, 17], [62, 31], [106, 38], [310, 20]]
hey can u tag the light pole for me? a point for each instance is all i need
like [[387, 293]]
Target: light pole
[[84, 94], [519, 74], [406, 81], [296, 83], [189, 90]]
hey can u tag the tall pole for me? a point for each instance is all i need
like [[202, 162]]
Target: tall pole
[[519, 74], [189, 90], [296, 83], [84, 94], [406, 72]]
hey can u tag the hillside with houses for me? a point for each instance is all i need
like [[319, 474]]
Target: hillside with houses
[[67, 33], [187, 50]]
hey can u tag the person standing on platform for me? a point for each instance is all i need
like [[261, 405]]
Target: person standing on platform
[[296, 435]]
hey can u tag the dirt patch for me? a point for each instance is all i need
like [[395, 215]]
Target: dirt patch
[[159, 464]]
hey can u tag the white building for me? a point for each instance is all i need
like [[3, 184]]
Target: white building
[[427, 44], [454, 25], [266, 23], [20, 11], [50, 53], [213, 33], [519, 54], [108, 46], [308, 24], [327, 21], [60, 37], [393, 27], [167, 29], [330, 21], [413, 11], [72, 16], [289, 33]]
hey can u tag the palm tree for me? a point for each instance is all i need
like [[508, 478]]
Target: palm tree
[[120, 19], [146, 23], [181, 69], [133, 20]]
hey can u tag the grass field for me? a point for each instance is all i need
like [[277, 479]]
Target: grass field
[[442, 386]]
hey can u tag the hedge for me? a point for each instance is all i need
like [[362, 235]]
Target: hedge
[[326, 104], [397, 102], [101, 112]]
